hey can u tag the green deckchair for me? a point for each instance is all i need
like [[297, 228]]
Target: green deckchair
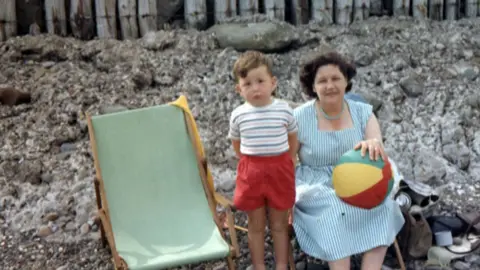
[[157, 206]]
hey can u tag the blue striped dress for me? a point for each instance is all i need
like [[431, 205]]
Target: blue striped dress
[[327, 228]]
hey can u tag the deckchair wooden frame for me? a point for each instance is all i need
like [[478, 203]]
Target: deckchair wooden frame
[[214, 199]]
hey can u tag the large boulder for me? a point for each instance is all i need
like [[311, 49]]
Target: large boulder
[[268, 36]]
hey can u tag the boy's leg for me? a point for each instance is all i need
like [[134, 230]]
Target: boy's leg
[[249, 197], [281, 197], [256, 237], [279, 228]]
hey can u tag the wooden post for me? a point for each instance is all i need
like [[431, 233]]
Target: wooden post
[[435, 10], [56, 17], [420, 10], [471, 7], [343, 12], [127, 12], [81, 19], [147, 16], [8, 14], [225, 9], [196, 13], [106, 18], [322, 11], [248, 7], [361, 11], [29, 13], [166, 10], [300, 12], [275, 9], [401, 7], [451, 8]]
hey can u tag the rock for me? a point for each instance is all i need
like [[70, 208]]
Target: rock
[[458, 154], [160, 40], [85, 228], [466, 70], [63, 267], [459, 265], [262, 36], [364, 57], [44, 231], [412, 86], [300, 265], [10, 96], [112, 109], [429, 168], [51, 217]]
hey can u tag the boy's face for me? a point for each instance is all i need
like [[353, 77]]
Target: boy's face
[[257, 87]]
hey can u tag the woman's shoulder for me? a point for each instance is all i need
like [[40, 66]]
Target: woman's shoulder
[[359, 107], [303, 109]]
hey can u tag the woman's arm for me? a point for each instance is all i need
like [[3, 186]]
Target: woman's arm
[[373, 141], [372, 130]]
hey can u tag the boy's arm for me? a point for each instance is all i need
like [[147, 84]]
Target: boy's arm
[[294, 145], [236, 147], [234, 135]]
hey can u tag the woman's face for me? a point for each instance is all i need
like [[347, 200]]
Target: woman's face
[[330, 84]]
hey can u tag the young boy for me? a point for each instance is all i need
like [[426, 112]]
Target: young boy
[[263, 132]]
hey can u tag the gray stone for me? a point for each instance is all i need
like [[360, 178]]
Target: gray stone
[[412, 86], [112, 109], [262, 36]]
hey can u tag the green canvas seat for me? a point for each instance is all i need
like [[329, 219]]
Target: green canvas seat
[[155, 207]]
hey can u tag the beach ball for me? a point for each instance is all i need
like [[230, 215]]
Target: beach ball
[[362, 182]]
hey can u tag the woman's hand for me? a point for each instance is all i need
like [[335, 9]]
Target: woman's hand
[[374, 147]]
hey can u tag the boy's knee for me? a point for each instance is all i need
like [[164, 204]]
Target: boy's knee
[[279, 226], [256, 228]]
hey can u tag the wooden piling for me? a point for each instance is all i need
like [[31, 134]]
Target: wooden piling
[[361, 10], [471, 8], [300, 12], [195, 14], [247, 7], [224, 9], [106, 17], [322, 11], [435, 9], [81, 19], [420, 9], [275, 9], [127, 12], [8, 19], [401, 7], [56, 17], [147, 16], [29, 13], [451, 9], [166, 10], [343, 12]]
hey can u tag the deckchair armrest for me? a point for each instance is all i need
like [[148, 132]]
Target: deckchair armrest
[[220, 199]]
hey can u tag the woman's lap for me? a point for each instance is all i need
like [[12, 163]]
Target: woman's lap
[[329, 229]]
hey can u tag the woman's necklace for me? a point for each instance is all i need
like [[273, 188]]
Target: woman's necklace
[[335, 117]]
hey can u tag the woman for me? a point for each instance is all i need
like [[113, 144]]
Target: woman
[[330, 125]]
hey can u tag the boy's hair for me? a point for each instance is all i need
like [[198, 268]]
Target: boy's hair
[[250, 60]]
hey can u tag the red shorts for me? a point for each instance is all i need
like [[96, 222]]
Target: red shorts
[[265, 180]]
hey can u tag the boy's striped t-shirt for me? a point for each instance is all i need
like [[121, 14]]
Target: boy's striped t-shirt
[[262, 131]]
